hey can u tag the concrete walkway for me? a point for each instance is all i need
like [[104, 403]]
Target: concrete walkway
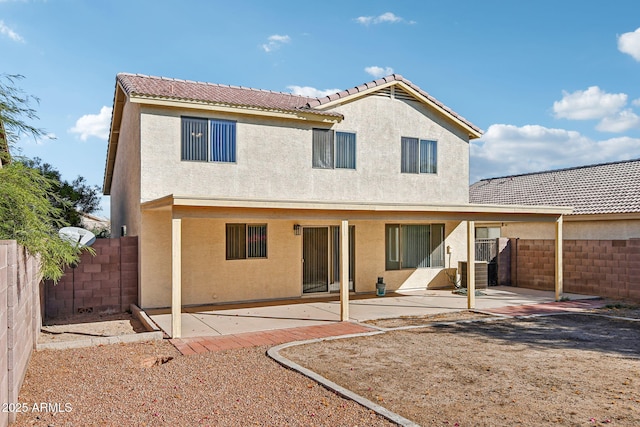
[[282, 336], [218, 321]]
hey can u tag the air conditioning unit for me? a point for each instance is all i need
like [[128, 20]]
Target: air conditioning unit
[[482, 274]]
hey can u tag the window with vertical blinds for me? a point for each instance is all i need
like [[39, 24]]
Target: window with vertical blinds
[[414, 246], [418, 155], [246, 241], [208, 140], [345, 150], [333, 150], [323, 148], [195, 134]]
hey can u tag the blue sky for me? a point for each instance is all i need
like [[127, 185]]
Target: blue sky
[[552, 83]]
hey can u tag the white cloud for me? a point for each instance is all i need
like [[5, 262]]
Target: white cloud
[[377, 72], [93, 125], [275, 41], [636, 102], [508, 150], [592, 103], [629, 43], [387, 17], [6, 31], [620, 122], [311, 92]]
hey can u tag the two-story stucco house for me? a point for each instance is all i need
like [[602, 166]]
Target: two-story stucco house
[[240, 194]]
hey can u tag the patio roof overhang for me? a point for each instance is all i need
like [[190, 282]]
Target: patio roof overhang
[[184, 206], [198, 207]]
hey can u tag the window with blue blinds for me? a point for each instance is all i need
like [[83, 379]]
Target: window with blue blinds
[[208, 140], [223, 141], [418, 155], [333, 150]]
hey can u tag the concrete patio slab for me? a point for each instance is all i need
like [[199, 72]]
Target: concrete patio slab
[[216, 321]]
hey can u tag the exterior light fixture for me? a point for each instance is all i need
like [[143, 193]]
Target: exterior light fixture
[[297, 229]]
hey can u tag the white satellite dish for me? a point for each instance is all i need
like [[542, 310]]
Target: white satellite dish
[[77, 236]]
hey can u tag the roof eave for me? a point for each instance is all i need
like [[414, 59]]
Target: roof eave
[[459, 211], [119, 99], [293, 114]]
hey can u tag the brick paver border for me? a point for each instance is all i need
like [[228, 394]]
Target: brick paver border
[[197, 345]]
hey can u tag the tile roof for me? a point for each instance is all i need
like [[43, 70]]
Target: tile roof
[[162, 87], [595, 189], [393, 77]]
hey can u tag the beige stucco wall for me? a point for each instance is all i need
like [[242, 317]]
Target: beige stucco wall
[[207, 277], [154, 248], [379, 124], [125, 185], [575, 230], [274, 158]]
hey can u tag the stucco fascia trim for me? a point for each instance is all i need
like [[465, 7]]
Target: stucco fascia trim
[[237, 109]]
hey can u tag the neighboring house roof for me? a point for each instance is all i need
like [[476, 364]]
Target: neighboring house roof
[[190, 94], [607, 188]]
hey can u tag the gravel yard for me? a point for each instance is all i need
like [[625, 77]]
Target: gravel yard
[[128, 384], [559, 370]]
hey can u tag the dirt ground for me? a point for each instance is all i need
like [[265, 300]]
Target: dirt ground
[[81, 327], [569, 370], [401, 322]]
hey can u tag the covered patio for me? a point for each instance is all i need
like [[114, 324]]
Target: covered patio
[[243, 318], [175, 217]]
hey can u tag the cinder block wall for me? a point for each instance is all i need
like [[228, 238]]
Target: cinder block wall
[[20, 319], [535, 264], [105, 282], [608, 268]]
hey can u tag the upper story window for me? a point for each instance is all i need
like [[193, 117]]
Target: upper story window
[[208, 140], [334, 150], [419, 156]]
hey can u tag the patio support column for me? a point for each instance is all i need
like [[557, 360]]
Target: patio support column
[[559, 240], [344, 271], [176, 277], [471, 265]]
